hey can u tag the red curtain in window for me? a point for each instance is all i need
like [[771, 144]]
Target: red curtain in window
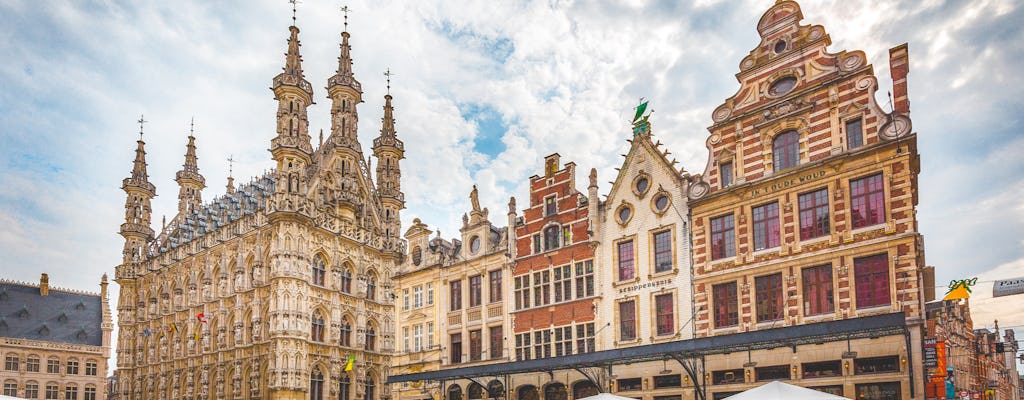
[[818, 290], [867, 201], [666, 314], [627, 320], [726, 305], [769, 297], [814, 214], [626, 271], [766, 226], [722, 240], [786, 150], [871, 277]]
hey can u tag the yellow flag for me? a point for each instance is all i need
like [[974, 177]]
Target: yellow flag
[[351, 362]]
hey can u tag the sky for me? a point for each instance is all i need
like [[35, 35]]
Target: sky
[[482, 92]]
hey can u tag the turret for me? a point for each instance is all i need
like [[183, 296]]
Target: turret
[[291, 148], [345, 93], [389, 150], [190, 181], [137, 211]]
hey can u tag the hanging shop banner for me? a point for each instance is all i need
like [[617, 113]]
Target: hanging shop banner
[[940, 358], [960, 289], [1008, 287]]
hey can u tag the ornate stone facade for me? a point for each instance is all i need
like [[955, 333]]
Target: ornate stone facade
[[268, 291]]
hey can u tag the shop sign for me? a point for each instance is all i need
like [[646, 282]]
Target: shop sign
[[940, 358], [930, 358], [774, 187], [1008, 287]]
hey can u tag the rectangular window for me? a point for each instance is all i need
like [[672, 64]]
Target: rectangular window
[[542, 344], [725, 173], [566, 235], [53, 366], [867, 201], [668, 381], [878, 391], [814, 214], [854, 134], [551, 238], [772, 373], [536, 244], [627, 320], [90, 368], [90, 393], [585, 338], [495, 288], [32, 364], [871, 278], [71, 392], [475, 345], [725, 377], [630, 384], [417, 297], [584, 279], [665, 311], [722, 395], [476, 290], [626, 271], [723, 243], [550, 206], [823, 369], [876, 365], [496, 348], [11, 363], [456, 348], [663, 251], [563, 283], [52, 392], [768, 295], [10, 389], [430, 294], [563, 341], [456, 295], [405, 299], [817, 290], [417, 338], [766, 226], [523, 346], [726, 305], [830, 389], [405, 339], [522, 291], [541, 288], [31, 390], [72, 368], [430, 335]]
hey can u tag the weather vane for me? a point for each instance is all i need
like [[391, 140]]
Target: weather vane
[[344, 11], [141, 121], [387, 75], [192, 126], [294, 4], [231, 164]]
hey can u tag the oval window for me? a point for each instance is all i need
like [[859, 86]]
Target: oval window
[[624, 213], [661, 202], [474, 244], [780, 46], [782, 86], [642, 184]]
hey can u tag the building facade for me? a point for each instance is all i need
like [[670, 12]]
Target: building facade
[[54, 342], [805, 213], [281, 288], [418, 311]]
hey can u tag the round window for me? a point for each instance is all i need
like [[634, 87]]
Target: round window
[[624, 213], [782, 86], [642, 184], [417, 255], [780, 46], [474, 244], [661, 202]]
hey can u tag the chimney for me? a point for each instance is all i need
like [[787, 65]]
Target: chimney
[[899, 66], [44, 285]]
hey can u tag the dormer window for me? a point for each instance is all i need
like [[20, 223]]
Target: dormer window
[[550, 206], [786, 150]]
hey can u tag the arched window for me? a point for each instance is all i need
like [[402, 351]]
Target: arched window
[[550, 238], [786, 150], [455, 392], [528, 392], [71, 391], [371, 336], [370, 386], [475, 391], [318, 270], [316, 385], [346, 280], [344, 387], [346, 333], [317, 334], [555, 391], [583, 389], [496, 390], [371, 286]]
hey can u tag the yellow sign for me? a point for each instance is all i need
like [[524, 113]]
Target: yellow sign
[[960, 289]]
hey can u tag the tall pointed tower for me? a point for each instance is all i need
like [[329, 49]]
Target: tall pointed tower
[[291, 148], [345, 93], [190, 181], [389, 150]]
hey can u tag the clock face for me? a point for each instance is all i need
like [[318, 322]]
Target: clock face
[[474, 244], [782, 86]]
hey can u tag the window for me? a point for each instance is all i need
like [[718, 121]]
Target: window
[[585, 338], [668, 381], [830, 389], [430, 335], [32, 364], [11, 362], [70, 392], [52, 391], [31, 390], [642, 184], [10, 389], [722, 241], [563, 283], [318, 270], [550, 238], [455, 292], [726, 305], [371, 337], [371, 287], [72, 367], [53, 366], [665, 310], [624, 213], [495, 289], [370, 386], [814, 214], [346, 281], [523, 346], [474, 244], [563, 341], [630, 384], [566, 235], [475, 290], [417, 338], [663, 251], [725, 172], [871, 277], [626, 271], [768, 295], [456, 348], [772, 373], [475, 345], [344, 387], [584, 279], [817, 290], [536, 244], [90, 367], [854, 134], [496, 347], [627, 320], [316, 384], [405, 339], [541, 288], [878, 391], [782, 86], [661, 202], [786, 150], [405, 299], [823, 369], [867, 201], [875, 365], [417, 297], [542, 344], [550, 206], [430, 294], [346, 333], [522, 291], [727, 376], [766, 226], [317, 327]]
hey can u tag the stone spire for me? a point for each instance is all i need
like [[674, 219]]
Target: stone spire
[[345, 93], [291, 147], [190, 181], [389, 150], [137, 210]]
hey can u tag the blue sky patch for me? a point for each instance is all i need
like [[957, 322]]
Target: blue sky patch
[[490, 128]]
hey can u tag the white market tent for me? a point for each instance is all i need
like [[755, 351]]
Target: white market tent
[[606, 396], [778, 390]]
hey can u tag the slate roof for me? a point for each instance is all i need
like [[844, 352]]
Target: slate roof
[[63, 317]]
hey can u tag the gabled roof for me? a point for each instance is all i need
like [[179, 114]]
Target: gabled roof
[[642, 143], [60, 316]]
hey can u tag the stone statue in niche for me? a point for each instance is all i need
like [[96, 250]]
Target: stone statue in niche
[[239, 282], [207, 294], [238, 333], [257, 275], [192, 294], [222, 287], [256, 327]]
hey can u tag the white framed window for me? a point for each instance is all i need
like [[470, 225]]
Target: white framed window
[[430, 294], [430, 335], [417, 297], [417, 338]]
